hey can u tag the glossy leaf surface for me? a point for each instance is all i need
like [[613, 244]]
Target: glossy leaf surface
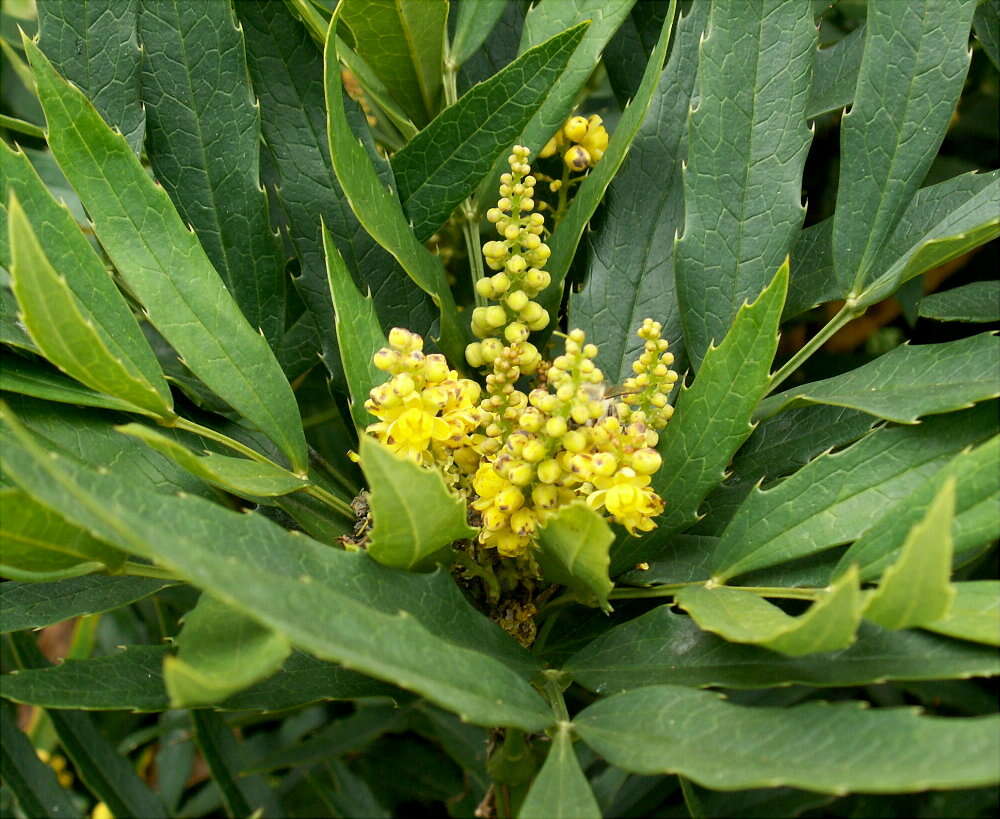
[[574, 546]]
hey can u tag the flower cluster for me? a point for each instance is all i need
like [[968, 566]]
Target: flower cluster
[[581, 141]]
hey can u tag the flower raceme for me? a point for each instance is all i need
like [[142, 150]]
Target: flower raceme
[[545, 433]]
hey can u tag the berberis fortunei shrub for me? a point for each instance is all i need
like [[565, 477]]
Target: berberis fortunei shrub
[[483, 408]]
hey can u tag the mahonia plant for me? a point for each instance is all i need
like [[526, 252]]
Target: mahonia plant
[[589, 406]]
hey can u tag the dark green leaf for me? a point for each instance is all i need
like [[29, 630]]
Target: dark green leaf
[[915, 61], [416, 516], [662, 647], [976, 302], [573, 551], [815, 746], [203, 140], [747, 144], [560, 791], [973, 613], [476, 19], [835, 74], [38, 380], [34, 783], [163, 264], [907, 382], [628, 51], [35, 605], [444, 163], [987, 26], [94, 44]]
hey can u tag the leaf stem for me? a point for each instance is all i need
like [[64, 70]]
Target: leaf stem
[[21, 127], [553, 693], [671, 589]]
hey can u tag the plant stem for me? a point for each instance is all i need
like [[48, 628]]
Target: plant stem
[[671, 589], [329, 499], [553, 693], [146, 570], [22, 127]]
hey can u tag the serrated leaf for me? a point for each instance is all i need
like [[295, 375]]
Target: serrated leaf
[[203, 141], [836, 497], [444, 163], [240, 476], [359, 335], [566, 235], [40, 545], [36, 605], [416, 516], [560, 791], [475, 21], [977, 517], [38, 380], [915, 590], [66, 332], [12, 330], [36, 789], [815, 746], [835, 74], [379, 211], [628, 51], [978, 302], [574, 551], [630, 258], [402, 40], [219, 652], [163, 264], [830, 624], [94, 44], [661, 647], [973, 613], [103, 770], [712, 417], [906, 383], [896, 123], [747, 144], [336, 605]]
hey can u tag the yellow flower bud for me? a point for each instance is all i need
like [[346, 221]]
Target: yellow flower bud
[[577, 158], [549, 149], [484, 287], [509, 499], [545, 496], [549, 471], [501, 284], [555, 427], [494, 215], [523, 522], [495, 316], [574, 441], [646, 461], [575, 128], [517, 300], [520, 474], [537, 280], [474, 355], [530, 420], [491, 348], [533, 451], [386, 359], [515, 332], [516, 264], [494, 519]]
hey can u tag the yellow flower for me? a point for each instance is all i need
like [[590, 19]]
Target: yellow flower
[[628, 499]]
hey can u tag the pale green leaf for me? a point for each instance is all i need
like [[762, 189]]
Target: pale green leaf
[[475, 20], [219, 652], [978, 302], [915, 590], [416, 516], [915, 60], [240, 476], [747, 144], [740, 616], [907, 382], [574, 551], [164, 265], [664, 647], [402, 41], [38, 380], [359, 334], [560, 791], [830, 748], [974, 613]]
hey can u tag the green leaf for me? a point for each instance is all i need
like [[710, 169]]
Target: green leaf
[[815, 746], [240, 476], [359, 335], [740, 616], [444, 163], [987, 27], [379, 211], [747, 145], [12, 330], [219, 652], [560, 791], [36, 789], [476, 19], [915, 590], [416, 631], [896, 123], [907, 382], [628, 51], [41, 381], [36, 605], [574, 551], [416, 516], [835, 74], [67, 333], [106, 773], [630, 247], [203, 140], [661, 647], [241, 796], [837, 496], [402, 41], [978, 302], [977, 491], [566, 236], [95, 46], [163, 264], [38, 544], [712, 418], [973, 613]]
